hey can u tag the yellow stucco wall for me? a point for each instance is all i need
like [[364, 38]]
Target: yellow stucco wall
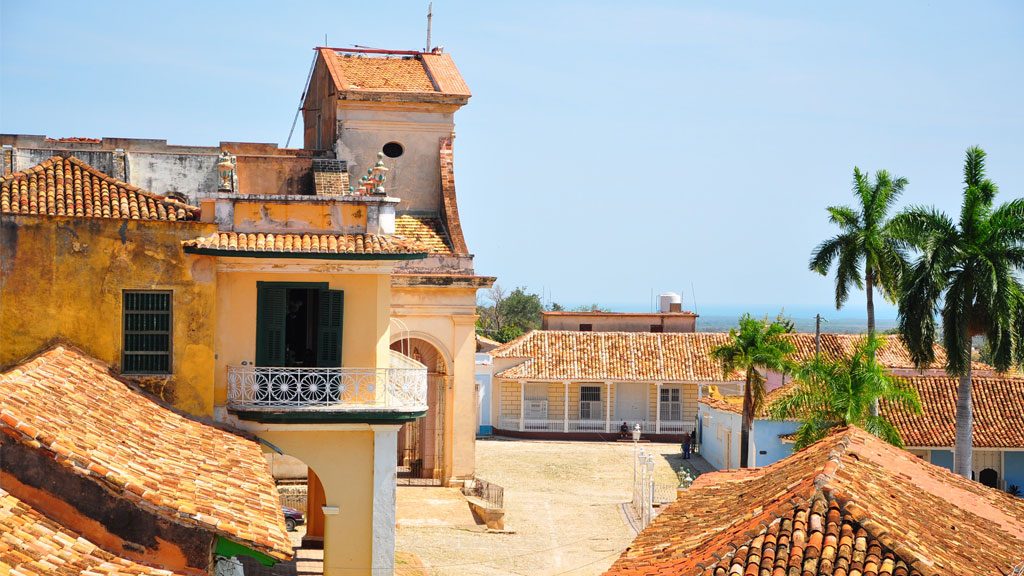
[[297, 217], [365, 330], [346, 472], [62, 278]]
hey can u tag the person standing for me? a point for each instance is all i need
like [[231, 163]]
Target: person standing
[[686, 445]]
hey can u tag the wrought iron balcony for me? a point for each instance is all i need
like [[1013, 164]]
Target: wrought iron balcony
[[277, 389]]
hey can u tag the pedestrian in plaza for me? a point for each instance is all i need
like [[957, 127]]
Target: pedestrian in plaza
[[686, 445]]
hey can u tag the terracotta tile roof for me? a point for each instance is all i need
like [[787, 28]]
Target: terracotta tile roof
[[893, 354], [850, 504], [427, 231], [998, 413], [620, 356], [419, 74], [33, 545], [565, 355], [325, 244], [69, 405], [69, 187]]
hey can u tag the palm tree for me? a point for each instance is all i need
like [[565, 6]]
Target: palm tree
[[864, 238], [968, 272], [828, 394], [755, 345]]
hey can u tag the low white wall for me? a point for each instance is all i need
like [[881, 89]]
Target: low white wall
[[720, 437]]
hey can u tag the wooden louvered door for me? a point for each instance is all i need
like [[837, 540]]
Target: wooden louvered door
[[329, 328], [271, 310]]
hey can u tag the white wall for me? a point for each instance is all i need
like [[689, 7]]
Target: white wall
[[720, 437]]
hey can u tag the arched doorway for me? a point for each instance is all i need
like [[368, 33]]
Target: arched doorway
[[421, 443], [989, 477]]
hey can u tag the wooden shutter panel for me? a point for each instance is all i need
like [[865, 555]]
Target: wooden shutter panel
[[329, 324], [271, 310]]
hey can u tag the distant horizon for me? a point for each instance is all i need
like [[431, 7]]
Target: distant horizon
[[884, 312]]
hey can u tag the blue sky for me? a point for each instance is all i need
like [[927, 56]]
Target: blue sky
[[609, 149]]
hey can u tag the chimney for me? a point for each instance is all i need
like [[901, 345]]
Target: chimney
[[330, 177]]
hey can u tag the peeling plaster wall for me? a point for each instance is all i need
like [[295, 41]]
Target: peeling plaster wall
[[415, 175], [194, 175], [62, 278]]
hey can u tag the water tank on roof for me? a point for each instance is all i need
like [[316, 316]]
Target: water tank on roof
[[670, 302]]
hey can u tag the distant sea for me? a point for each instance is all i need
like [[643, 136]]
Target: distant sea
[[722, 323]]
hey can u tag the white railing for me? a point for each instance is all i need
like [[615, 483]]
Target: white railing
[[560, 425], [327, 388]]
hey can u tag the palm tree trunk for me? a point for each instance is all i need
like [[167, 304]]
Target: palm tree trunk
[[963, 451], [748, 417], [869, 287]]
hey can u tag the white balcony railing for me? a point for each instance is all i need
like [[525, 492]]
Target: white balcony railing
[[277, 388]]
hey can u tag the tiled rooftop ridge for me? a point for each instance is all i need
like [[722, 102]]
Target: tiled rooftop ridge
[[67, 186], [368, 244], [911, 518], [68, 405], [425, 73]]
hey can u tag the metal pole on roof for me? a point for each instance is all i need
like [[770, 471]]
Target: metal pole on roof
[[430, 16], [817, 334]]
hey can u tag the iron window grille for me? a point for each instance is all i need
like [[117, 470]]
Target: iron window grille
[[147, 322]]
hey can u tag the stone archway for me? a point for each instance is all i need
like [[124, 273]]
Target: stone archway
[[421, 444]]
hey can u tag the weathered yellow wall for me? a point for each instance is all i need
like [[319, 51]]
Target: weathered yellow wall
[[346, 472], [265, 216], [62, 278], [365, 334]]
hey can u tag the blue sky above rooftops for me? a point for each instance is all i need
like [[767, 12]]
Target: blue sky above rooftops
[[610, 148]]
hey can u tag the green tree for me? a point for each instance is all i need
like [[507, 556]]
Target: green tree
[[864, 240], [967, 272], [509, 315], [829, 394], [754, 346]]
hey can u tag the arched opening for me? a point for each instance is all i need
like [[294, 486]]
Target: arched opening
[[302, 498], [989, 477], [421, 442]]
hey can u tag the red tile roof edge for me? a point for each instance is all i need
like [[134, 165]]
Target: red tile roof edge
[[22, 432], [194, 210]]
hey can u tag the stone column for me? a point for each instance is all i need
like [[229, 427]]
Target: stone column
[[385, 446], [657, 408], [608, 407], [565, 408]]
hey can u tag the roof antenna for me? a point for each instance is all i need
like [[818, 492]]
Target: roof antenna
[[430, 16]]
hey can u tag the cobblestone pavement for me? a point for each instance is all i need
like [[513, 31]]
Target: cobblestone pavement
[[563, 511]]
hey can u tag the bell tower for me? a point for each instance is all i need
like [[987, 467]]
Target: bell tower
[[363, 102]]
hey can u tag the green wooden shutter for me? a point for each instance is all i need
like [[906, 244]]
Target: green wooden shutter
[[330, 318], [271, 310]]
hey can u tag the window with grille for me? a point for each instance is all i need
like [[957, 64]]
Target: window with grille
[[147, 332], [671, 404], [586, 327], [590, 403]]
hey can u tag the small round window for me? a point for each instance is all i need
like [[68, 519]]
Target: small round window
[[393, 150]]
